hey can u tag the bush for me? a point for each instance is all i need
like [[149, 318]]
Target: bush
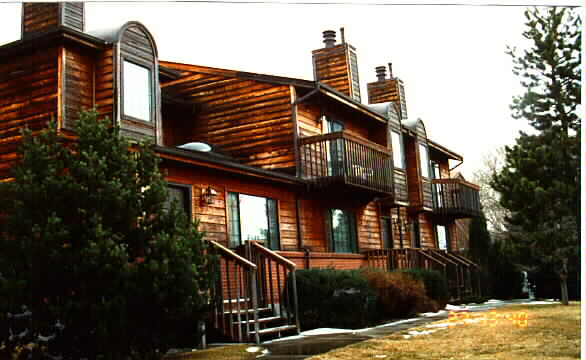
[[436, 285], [398, 294], [334, 298]]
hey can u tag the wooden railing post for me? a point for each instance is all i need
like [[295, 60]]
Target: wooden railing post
[[295, 301], [254, 298]]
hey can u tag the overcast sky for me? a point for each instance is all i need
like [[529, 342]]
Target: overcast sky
[[452, 59]]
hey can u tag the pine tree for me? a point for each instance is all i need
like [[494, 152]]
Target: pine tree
[[86, 239], [539, 183]]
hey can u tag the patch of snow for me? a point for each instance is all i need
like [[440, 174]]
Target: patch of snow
[[325, 331], [253, 349], [494, 301], [380, 356], [431, 314], [540, 302]]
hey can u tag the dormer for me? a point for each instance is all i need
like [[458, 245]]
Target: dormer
[[337, 65], [131, 68], [419, 171]]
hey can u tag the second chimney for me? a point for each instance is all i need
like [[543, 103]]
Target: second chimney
[[385, 90]]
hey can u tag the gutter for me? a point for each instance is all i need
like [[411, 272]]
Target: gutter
[[225, 164]]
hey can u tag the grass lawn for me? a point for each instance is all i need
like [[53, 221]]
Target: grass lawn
[[551, 332], [231, 352]]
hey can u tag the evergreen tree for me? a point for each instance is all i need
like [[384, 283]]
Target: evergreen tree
[[539, 183], [87, 239]]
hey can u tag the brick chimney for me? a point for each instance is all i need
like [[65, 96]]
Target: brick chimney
[[337, 65], [387, 89], [38, 18]]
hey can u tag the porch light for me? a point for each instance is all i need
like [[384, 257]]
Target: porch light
[[208, 195]]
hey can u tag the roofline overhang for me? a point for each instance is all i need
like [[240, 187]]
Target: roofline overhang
[[348, 101], [451, 154], [61, 33], [210, 161]]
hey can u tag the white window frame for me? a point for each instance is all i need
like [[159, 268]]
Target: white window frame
[[127, 88]]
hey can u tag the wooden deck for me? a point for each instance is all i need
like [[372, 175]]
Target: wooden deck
[[343, 159]]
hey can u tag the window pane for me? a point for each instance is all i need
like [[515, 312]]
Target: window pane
[[343, 231], [233, 220], [273, 225], [178, 195], [137, 91], [253, 218], [442, 238], [397, 149], [424, 160]]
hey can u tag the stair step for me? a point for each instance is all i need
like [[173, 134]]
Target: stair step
[[234, 301], [250, 311], [260, 320], [275, 329]]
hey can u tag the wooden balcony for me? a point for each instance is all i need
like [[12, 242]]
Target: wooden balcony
[[341, 159], [455, 198]]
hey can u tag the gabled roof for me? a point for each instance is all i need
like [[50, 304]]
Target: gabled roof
[[192, 73]]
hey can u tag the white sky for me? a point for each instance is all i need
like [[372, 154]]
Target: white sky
[[452, 59]]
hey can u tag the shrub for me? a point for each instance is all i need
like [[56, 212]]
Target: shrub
[[334, 298], [436, 286], [398, 294]]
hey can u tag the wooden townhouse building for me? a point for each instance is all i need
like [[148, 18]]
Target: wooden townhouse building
[[282, 173]]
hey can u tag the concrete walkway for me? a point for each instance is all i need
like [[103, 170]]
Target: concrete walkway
[[319, 341]]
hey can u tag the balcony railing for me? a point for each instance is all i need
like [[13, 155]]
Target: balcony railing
[[456, 198], [340, 158]]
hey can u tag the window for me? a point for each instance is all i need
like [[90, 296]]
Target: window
[[424, 160], [442, 237], [137, 92], [342, 228], [331, 125], [437, 188], [252, 218], [397, 150], [180, 195], [386, 232]]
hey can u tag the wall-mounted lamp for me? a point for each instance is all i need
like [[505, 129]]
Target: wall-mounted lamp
[[208, 195]]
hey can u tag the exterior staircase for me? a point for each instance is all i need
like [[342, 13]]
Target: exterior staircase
[[255, 295]]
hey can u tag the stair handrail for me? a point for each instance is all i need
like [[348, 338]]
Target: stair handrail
[[252, 271], [428, 256], [286, 263], [232, 254], [290, 264]]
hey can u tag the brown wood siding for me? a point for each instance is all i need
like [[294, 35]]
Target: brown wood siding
[[39, 17], [213, 217], [78, 91], [308, 117], [459, 233], [313, 225], [368, 219], [412, 165], [135, 46], [382, 91], [104, 97], [331, 67], [28, 97], [401, 190], [247, 119], [426, 231]]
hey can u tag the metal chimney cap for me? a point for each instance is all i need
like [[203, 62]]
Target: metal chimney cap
[[329, 38], [381, 72]]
